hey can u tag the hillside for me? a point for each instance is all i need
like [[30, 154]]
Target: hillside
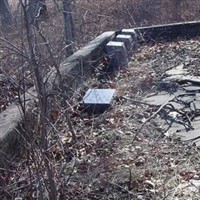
[[124, 153]]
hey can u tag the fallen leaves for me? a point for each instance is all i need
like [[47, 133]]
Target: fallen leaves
[[107, 163]]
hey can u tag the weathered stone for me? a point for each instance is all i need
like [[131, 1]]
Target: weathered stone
[[189, 135], [159, 98], [169, 32], [197, 142], [127, 39], [130, 31], [10, 127], [117, 53], [98, 100], [8, 120]]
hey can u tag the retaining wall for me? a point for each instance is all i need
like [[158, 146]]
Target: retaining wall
[[169, 32]]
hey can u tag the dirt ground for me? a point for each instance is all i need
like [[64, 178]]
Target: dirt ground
[[121, 158], [117, 156]]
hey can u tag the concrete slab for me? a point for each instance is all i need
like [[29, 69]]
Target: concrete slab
[[98, 100], [179, 70], [186, 95], [159, 98], [9, 120], [183, 79], [190, 135], [178, 130], [192, 88]]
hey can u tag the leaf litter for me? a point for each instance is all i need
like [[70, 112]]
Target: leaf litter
[[114, 158]]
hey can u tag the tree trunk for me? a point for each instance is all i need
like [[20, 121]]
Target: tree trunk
[[36, 9], [68, 25], [5, 13]]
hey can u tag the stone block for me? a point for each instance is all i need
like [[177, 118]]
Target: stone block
[[133, 34], [98, 100], [117, 54], [127, 39], [130, 31]]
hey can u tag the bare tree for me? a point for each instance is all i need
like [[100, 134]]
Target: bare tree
[[5, 13]]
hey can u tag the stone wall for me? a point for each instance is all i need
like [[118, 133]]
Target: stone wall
[[169, 32]]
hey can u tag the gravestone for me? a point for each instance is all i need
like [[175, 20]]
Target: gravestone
[[133, 34], [117, 55], [130, 31], [98, 100], [127, 39]]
